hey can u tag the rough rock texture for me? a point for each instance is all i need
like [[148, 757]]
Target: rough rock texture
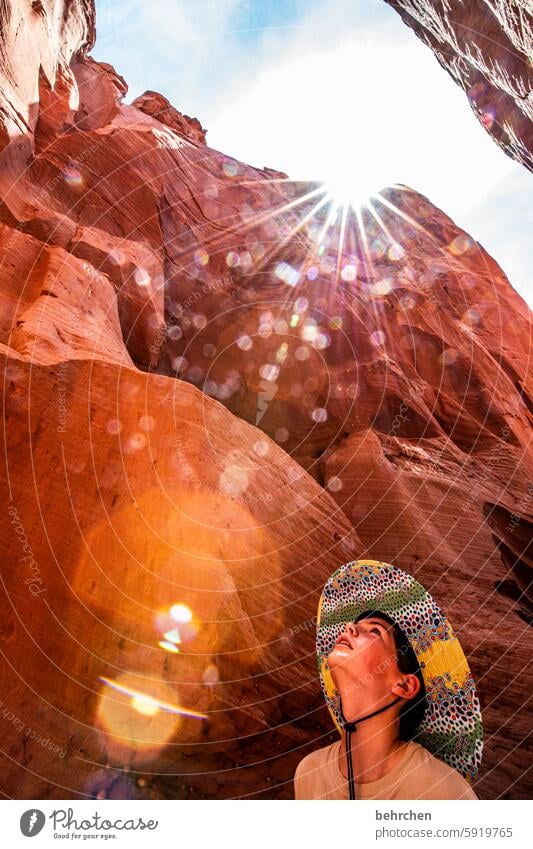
[[487, 48], [154, 104], [39, 40], [216, 391]]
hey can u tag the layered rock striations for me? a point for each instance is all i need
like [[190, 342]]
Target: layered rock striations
[[486, 48], [217, 388]]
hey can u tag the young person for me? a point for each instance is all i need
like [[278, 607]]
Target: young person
[[399, 689]]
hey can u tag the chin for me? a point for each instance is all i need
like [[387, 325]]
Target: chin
[[341, 656]]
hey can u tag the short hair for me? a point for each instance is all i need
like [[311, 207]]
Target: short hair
[[412, 713]]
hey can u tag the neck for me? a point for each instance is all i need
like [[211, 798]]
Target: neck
[[375, 746]]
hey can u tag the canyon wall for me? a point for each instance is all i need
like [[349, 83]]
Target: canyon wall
[[486, 47]]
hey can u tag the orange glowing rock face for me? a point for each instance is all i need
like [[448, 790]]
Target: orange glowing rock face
[[218, 386]]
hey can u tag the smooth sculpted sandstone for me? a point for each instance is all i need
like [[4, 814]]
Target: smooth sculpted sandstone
[[218, 387], [132, 501]]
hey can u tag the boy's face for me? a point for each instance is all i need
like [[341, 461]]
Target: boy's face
[[365, 653]]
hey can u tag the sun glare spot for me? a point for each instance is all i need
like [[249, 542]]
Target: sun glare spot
[[345, 191], [145, 704], [181, 613], [167, 646]]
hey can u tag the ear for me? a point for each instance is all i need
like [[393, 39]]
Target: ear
[[408, 686]]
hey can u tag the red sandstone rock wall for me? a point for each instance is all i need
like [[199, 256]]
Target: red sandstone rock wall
[[214, 394], [486, 48]]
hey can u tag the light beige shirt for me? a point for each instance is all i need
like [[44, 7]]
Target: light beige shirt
[[418, 775]]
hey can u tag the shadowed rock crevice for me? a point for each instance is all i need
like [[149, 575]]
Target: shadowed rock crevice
[[513, 535]]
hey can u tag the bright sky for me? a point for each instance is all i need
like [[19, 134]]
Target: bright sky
[[339, 90]]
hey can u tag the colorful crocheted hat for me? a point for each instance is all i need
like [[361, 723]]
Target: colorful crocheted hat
[[452, 728]]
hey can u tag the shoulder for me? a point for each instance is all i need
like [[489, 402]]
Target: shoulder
[[310, 770], [314, 760], [436, 779]]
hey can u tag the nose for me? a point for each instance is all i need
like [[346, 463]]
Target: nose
[[351, 628]]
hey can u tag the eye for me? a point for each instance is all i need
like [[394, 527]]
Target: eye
[[374, 630]]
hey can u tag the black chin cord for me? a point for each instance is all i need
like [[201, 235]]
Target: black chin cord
[[351, 727]]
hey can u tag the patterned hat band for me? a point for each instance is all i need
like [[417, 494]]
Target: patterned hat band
[[452, 728]]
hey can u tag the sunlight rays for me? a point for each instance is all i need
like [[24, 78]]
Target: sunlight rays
[[304, 231]]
